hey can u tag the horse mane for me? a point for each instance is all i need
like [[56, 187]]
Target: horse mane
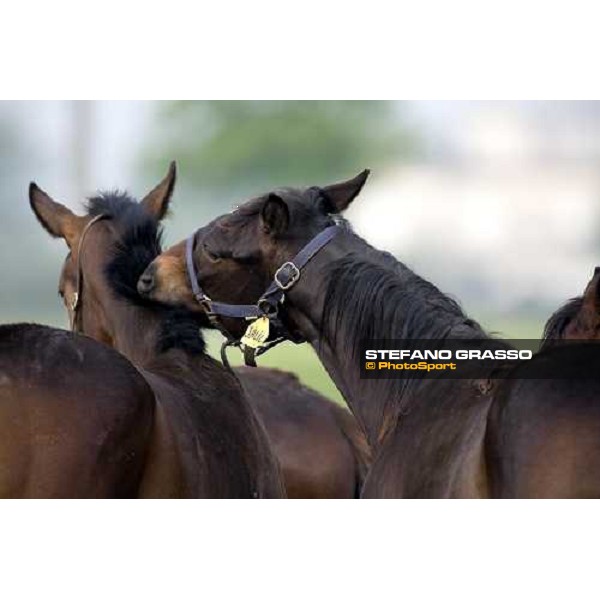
[[384, 299], [139, 243], [556, 324], [372, 296]]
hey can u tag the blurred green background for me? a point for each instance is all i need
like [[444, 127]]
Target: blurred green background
[[496, 203]]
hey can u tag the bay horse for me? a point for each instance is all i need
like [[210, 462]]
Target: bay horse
[[206, 441], [431, 437], [75, 417], [319, 446]]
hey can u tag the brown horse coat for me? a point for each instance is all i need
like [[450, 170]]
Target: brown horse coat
[[75, 417], [321, 450]]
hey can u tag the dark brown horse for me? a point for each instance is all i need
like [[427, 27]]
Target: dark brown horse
[[579, 318], [319, 445], [431, 437], [75, 417], [205, 439]]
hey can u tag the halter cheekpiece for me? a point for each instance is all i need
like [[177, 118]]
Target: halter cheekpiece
[[75, 303]]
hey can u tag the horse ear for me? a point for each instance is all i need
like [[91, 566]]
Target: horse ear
[[591, 296], [157, 201], [55, 218], [341, 194], [586, 322], [275, 215]]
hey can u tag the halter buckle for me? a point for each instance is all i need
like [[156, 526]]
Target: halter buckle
[[268, 309], [286, 276], [206, 303], [203, 299]]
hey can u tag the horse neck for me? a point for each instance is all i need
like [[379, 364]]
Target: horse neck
[[134, 331], [137, 333], [376, 403]]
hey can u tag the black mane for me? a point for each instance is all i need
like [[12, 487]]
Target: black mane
[[139, 243], [384, 299], [555, 326], [372, 296]]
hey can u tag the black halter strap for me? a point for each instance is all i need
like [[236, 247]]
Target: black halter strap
[[240, 311], [268, 304], [289, 273]]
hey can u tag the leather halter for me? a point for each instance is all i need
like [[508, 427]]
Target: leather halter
[[76, 302], [286, 276]]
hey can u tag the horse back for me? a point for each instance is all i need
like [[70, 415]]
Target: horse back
[[75, 416]]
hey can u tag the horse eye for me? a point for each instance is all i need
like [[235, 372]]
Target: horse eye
[[214, 257]]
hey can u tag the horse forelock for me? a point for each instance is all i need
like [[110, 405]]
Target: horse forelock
[[139, 242]]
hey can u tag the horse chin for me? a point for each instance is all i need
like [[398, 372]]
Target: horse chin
[[165, 281], [176, 298]]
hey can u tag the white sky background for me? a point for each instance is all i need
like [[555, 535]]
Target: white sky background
[[118, 133]]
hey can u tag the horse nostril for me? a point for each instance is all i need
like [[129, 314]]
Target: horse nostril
[[146, 283]]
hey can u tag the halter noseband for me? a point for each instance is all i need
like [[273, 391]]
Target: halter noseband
[[76, 302], [267, 306]]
